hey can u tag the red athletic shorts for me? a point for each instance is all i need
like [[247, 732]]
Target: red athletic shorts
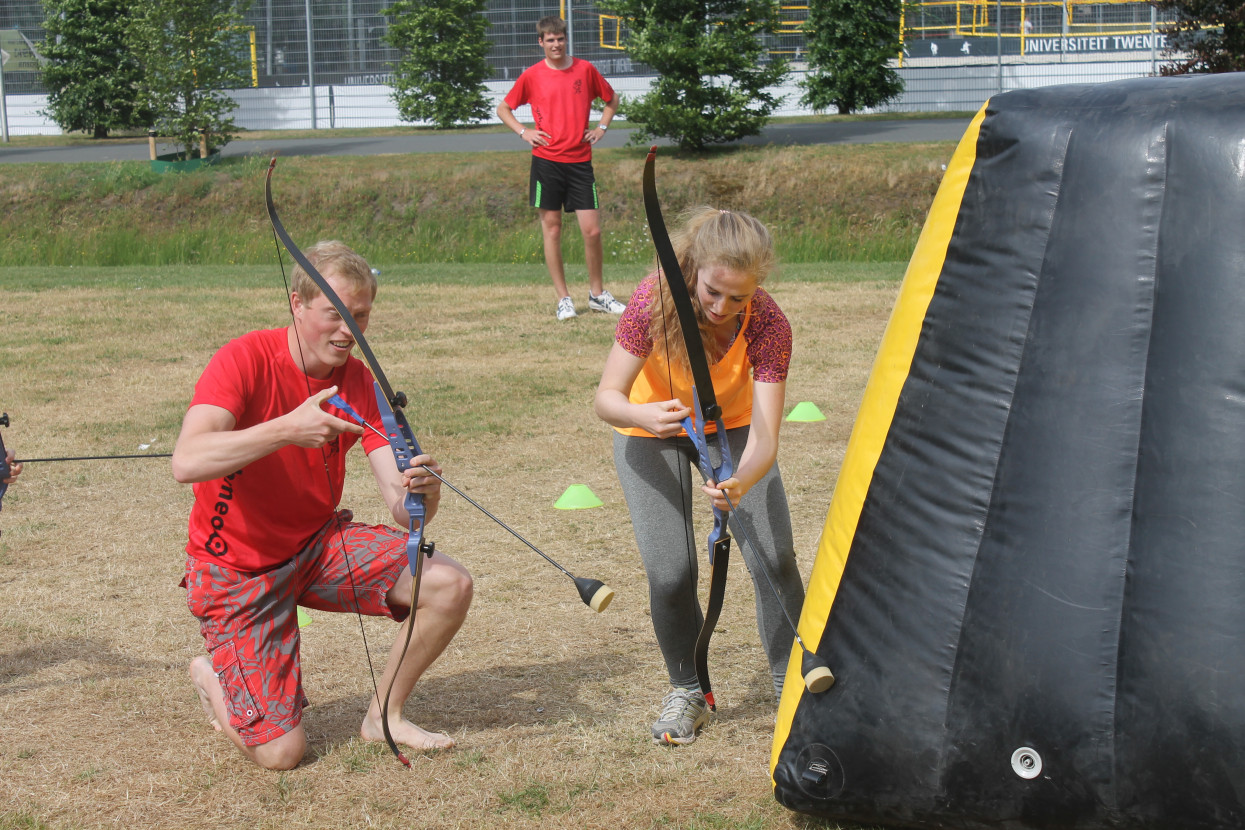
[[250, 619]]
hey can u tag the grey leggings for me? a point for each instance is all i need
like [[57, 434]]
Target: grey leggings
[[661, 483]]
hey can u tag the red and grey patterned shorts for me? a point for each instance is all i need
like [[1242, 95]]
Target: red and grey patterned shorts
[[250, 619]]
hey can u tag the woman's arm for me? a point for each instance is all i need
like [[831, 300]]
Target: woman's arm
[[662, 419], [761, 451]]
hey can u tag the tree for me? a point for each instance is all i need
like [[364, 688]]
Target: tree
[[91, 74], [850, 45], [1206, 36], [713, 70], [191, 52], [440, 76]]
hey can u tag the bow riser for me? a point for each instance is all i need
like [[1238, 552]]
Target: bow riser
[[405, 448]]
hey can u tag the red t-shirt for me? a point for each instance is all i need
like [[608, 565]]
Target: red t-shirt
[[561, 102], [263, 514]]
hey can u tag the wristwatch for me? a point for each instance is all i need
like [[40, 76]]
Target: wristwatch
[[603, 127]]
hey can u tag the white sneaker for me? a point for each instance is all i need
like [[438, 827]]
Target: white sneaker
[[605, 302], [683, 713], [566, 309]]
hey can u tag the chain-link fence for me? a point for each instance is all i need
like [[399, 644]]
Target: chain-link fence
[[349, 48], [326, 64]]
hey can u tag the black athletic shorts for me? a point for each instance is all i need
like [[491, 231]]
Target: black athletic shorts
[[560, 184]]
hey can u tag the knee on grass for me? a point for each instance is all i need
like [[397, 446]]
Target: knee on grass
[[285, 752]]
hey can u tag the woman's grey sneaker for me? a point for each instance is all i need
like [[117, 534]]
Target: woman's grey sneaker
[[605, 302], [566, 309], [683, 711]]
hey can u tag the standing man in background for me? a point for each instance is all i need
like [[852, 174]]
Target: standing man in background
[[561, 90]]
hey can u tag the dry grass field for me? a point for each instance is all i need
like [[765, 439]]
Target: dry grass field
[[550, 703]]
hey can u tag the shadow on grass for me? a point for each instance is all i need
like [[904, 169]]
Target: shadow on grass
[[17, 668], [528, 694], [523, 695]]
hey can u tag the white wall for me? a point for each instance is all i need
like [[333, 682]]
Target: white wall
[[928, 88]]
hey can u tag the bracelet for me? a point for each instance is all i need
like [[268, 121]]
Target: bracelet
[[522, 131]]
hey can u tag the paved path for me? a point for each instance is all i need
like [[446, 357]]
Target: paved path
[[342, 144]]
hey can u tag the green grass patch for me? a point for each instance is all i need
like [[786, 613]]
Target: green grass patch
[[22, 821], [532, 799], [211, 279], [850, 203]]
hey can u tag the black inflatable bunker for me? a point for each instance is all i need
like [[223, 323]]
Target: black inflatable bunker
[[1031, 581]]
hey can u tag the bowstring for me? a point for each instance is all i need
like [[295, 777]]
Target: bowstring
[[328, 477]]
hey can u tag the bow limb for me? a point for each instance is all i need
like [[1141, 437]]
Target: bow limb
[[705, 407], [673, 273], [398, 432], [404, 447], [378, 374]]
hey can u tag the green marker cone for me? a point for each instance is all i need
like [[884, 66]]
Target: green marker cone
[[304, 619], [577, 497], [806, 411]]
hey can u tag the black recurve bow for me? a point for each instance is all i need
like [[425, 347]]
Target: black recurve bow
[[816, 674]]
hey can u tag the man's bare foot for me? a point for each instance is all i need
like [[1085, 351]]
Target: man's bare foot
[[204, 677], [406, 733]]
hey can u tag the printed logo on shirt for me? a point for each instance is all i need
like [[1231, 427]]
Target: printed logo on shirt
[[216, 544], [579, 86]]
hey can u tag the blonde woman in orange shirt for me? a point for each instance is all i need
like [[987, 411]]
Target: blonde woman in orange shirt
[[646, 392]]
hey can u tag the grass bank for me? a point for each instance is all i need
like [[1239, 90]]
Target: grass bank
[[266, 275], [857, 203]]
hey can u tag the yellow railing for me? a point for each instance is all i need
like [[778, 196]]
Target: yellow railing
[[970, 18], [791, 19], [1021, 18], [609, 29]]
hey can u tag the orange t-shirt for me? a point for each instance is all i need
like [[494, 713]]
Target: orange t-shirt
[[760, 352]]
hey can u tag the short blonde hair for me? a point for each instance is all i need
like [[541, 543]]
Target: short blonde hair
[[332, 258]]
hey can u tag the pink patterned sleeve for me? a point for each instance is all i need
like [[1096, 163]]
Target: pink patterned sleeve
[[769, 340], [632, 331]]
